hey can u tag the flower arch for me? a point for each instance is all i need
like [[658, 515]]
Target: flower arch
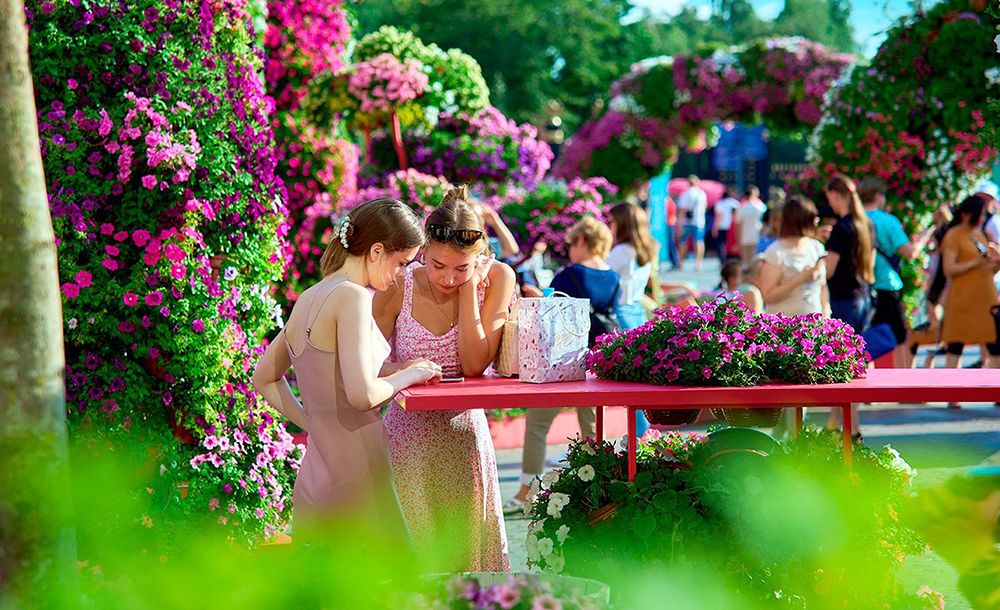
[[666, 103]]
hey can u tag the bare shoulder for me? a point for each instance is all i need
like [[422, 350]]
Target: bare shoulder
[[353, 293], [500, 271], [348, 297]]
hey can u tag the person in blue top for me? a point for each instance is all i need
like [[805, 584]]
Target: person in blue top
[[892, 246], [588, 276]]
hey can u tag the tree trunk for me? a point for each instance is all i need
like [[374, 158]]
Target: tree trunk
[[397, 142], [37, 545]]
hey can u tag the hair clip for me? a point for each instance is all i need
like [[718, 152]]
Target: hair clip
[[345, 225]]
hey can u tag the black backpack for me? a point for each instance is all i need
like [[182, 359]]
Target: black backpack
[[604, 321]]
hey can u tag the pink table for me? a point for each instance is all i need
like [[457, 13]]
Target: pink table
[[881, 385]]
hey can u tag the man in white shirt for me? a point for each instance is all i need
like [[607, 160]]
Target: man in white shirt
[[749, 218], [991, 228], [692, 206], [725, 212]]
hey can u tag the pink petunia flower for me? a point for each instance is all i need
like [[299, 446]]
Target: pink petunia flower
[[131, 299], [70, 290], [140, 237], [174, 253], [83, 278]]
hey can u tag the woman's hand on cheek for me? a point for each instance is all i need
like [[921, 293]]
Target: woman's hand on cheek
[[480, 275]]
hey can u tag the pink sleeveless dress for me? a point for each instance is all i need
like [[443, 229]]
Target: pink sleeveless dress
[[345, 471], [444, 464]]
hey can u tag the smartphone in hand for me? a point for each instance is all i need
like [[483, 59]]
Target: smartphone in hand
[[451, 379]]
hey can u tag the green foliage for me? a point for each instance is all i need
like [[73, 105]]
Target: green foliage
[[571, 50], [784, 530], [824, 21], [455, 82]]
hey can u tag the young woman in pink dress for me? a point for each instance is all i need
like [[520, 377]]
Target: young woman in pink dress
[[338, 354], [451, 310]]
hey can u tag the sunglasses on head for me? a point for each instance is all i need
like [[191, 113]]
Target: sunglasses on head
[[463, 237]]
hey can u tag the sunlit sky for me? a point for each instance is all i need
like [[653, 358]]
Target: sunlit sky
[[871, 18]]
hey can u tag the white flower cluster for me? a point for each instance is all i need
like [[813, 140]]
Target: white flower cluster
[[899, 464], [557, 502], [724, 58], [625, 104], [941, 183], [992, 76], [540, 547], [641, 67], [786, 43], [681, 97]]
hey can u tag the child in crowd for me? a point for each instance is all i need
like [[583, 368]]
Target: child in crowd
[[733, 286]]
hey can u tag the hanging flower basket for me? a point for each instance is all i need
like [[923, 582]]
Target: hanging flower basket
[[604, 513], [749, 418], [671, 417]]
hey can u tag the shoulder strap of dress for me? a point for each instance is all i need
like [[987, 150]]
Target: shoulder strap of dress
[[309, 313], [407, 291]]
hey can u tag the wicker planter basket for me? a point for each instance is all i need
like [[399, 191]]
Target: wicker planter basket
[[749, 418], [671, 417]]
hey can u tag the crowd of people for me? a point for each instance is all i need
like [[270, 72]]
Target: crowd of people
[[404, 302], [845, 258]]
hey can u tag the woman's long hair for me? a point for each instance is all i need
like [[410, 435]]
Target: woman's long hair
[[387, 221], [864, 254], [632, 227]]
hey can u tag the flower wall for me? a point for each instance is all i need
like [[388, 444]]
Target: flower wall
[[485, 149], [918, 117], [169, 223], [914, 116], [665, 103], [422, 192], [318, 165], [547, 212]]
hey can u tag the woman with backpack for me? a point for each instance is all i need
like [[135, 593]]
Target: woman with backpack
[[632, 257], [587, 276]]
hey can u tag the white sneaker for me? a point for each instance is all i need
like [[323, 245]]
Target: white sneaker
[[559, 462], [514, 507]]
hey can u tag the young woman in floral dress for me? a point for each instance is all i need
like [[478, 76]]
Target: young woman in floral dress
[[451, 310]]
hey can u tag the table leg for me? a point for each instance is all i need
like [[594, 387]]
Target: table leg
[[599, 424], [632, 444], [799, 417], [848, 424]]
